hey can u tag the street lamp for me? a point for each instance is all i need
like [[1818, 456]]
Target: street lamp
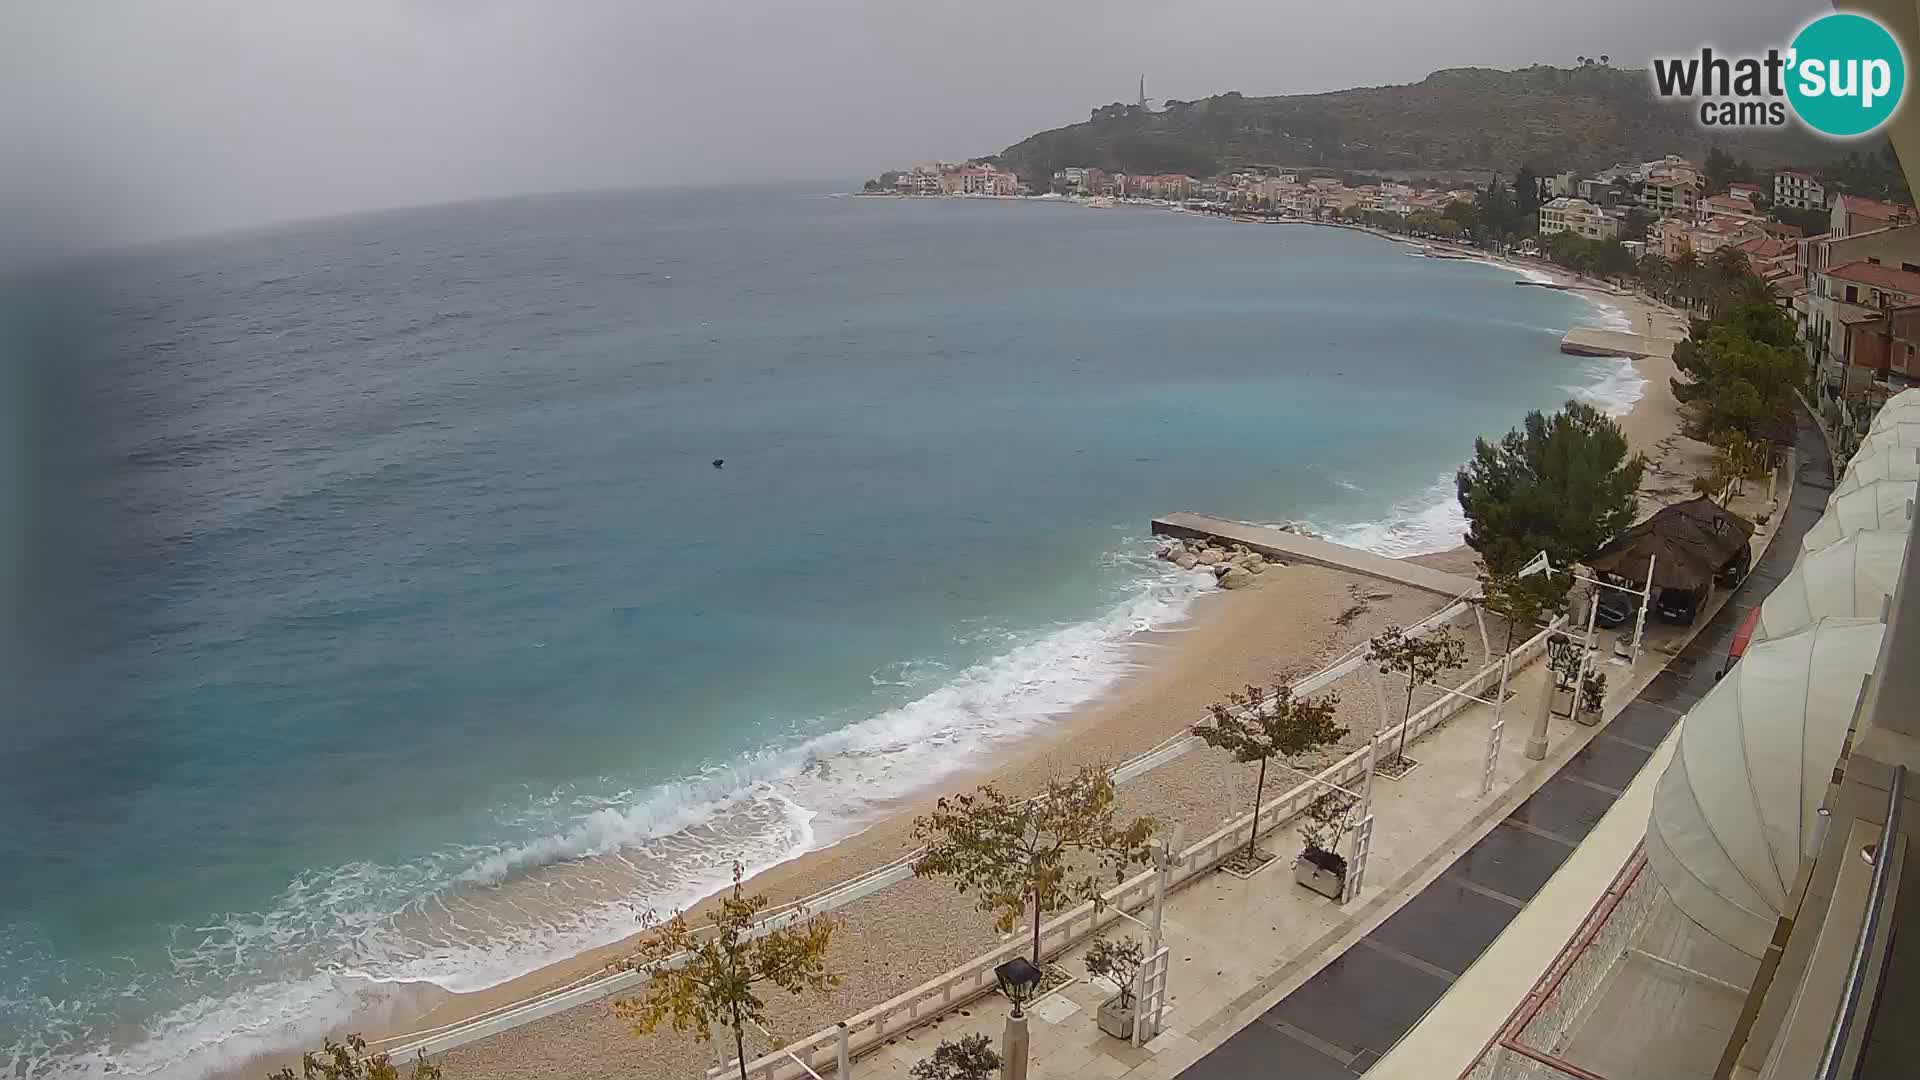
[[1018, 980]]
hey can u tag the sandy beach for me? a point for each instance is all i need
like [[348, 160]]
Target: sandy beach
[[1293, 620]]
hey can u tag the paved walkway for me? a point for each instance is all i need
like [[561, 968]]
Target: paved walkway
[[1293, 547], [1237, 941]]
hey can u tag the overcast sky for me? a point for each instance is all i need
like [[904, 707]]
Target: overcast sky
[[170, 117]]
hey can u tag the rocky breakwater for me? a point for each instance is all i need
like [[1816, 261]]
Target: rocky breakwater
[[1232, 568]]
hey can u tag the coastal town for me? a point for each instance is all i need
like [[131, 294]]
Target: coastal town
[[1148, 604], [1846, 264]]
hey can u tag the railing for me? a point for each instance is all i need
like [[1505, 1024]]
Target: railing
[[974, 978], [1524, 1046], [1855, 992]]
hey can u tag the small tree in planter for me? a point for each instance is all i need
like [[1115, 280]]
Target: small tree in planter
[[1013, 852], [1321, 867], [1563, 663], [1421, 658], [1593, 693], [1118, 962], [970, 1057], [724, 968], [1259, 726]]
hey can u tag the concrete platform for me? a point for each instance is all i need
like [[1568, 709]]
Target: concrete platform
[[1293, 547], [1587, 341]]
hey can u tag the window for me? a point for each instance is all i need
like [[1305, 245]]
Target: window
[[1873, 260], [1853, 295]]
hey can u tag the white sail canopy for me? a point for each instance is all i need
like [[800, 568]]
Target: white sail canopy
[[1737, 808], [1887, 463], [1901, 408], [1848, 579], [1883, 504], [1897, 435]]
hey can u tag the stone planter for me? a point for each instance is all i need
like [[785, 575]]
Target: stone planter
[[1326, 876], [1586, 718], [1117, 1019]]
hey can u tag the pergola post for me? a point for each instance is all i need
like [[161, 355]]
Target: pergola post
[[1362, 832], [1586, 651], [1640, 617], [1497, 728]]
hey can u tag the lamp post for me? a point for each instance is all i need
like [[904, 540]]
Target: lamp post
[[1558, 645], [1018, 980]]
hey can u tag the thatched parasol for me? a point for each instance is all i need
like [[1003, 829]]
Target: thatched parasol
[[1689, 543], [1728, 531], [1680, 559]]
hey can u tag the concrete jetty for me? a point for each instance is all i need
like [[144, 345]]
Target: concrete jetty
[[1293, 547], [1587, 341]]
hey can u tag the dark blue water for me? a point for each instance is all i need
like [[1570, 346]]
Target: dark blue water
[[394, 575]]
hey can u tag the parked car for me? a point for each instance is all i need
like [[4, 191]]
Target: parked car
[[1681, 606], [1617, 608]]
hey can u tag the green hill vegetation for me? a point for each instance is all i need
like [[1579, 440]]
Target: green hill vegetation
[[1460, 119]]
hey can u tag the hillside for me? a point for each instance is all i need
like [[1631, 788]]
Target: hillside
[[1459, 119]]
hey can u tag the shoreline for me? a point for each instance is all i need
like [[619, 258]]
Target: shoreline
[[1226, 639]]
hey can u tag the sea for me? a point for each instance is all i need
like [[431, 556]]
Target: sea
[[418, 597]]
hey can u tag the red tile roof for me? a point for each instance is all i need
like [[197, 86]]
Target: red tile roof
[[1765, 247], [1874, 208], [1880, 277]]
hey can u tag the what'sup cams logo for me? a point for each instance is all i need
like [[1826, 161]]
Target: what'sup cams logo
[[1843, 75]]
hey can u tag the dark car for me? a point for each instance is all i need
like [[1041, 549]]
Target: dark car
[[1617, 608]]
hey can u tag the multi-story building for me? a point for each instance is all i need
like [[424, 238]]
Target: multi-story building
[[1597, 191], [919, 182], [1730, 205], [1871, 283], [1847, 279], [1577, 216], [1674, 189], [1798, 189], [1174, 186], [979, 180], [1558, 185], [1307, 202], [1854, 214]]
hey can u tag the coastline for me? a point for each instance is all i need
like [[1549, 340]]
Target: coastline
[[1289, 622]]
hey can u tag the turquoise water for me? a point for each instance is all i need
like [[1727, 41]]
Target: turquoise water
[[409, 632]]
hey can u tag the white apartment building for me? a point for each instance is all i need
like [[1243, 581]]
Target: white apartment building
[[1577, 216], [1800, 190]]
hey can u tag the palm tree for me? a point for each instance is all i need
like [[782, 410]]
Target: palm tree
[[1732, 281], [1685, 274], [1729, 265], [1655, 271]]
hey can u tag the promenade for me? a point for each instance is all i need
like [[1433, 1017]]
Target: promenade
[[1270, 980]]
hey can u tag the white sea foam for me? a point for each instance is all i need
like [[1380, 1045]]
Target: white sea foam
[[345, 944], [1426, 523], [1614, 385]]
